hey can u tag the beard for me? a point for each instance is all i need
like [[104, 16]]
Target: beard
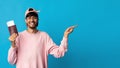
[[32, 27]]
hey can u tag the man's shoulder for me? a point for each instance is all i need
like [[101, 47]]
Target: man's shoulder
[[43, 33]]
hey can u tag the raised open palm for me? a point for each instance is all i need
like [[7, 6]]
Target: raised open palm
[[69, 30]]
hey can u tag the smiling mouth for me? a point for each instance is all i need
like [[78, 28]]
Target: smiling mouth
[[32, 23]]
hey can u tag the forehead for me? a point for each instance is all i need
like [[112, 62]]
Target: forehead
[[32, 14], [31, 17]]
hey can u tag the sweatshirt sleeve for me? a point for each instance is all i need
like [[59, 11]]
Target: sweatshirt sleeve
[[12, 55], [12, 52], [55, 50]]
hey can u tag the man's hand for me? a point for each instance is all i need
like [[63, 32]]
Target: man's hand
[[12, 38], [69, 30]]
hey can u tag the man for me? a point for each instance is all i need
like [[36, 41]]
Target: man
[[31, 47]]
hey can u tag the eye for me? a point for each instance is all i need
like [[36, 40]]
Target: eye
[[35, 17], [28, 18]]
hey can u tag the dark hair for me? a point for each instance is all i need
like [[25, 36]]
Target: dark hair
[[31, 14]]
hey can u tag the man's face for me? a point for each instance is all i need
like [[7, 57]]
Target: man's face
[[32, 22]]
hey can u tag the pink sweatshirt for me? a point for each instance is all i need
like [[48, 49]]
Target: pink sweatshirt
[[31, 50]]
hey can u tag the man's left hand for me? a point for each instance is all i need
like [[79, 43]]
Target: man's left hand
[[69, 30]]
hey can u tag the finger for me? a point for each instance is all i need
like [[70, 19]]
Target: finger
[[74, 26], [14, 35], [71, 30], [9, 38], [68, 29]]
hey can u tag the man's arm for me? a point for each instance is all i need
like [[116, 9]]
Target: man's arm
[[59, 51], [12, 53]]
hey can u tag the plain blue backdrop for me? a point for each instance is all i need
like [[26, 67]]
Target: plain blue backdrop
[[95, 43]]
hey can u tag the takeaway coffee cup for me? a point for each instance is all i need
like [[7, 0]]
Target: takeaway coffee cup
[[12, 27]]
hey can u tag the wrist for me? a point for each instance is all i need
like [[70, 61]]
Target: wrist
[[13, 44], [66, 35]]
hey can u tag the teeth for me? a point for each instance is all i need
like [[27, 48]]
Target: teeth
[[32, 23]]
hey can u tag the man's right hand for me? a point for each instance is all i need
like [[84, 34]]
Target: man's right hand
[[13, 37]]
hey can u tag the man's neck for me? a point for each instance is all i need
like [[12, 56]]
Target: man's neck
[[32, 30]]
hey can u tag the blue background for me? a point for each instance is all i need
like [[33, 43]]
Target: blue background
[[95, 43]]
